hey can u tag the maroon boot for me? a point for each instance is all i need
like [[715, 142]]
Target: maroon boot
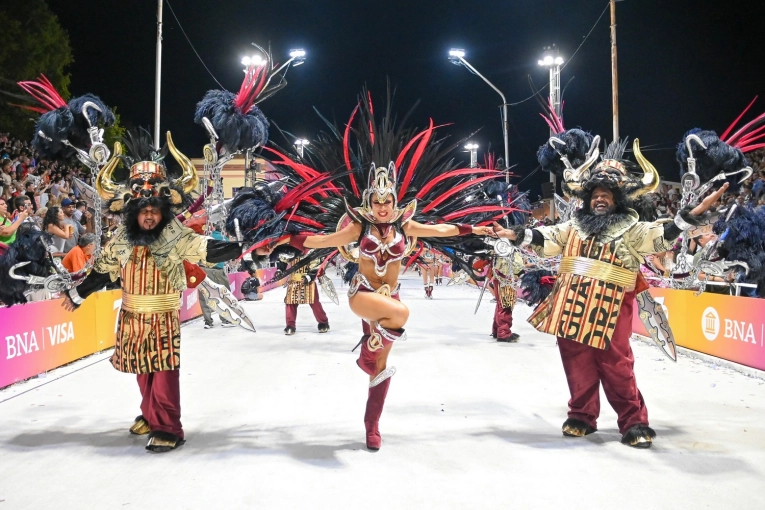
[[375, 403], [367, 359]]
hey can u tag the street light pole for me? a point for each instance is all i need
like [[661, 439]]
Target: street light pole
[[300, 144], [158, 80], [614, 74], [457, 57], [552, 59], [473, 149]]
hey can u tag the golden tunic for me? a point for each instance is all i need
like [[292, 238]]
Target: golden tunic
[[595, 275], [298, 291], [149, 332], [504, 269]]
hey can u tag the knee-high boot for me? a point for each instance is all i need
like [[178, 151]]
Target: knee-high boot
[[375, 403], [367, 359]]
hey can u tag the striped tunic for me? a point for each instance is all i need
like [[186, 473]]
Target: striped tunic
[[585, 309], [146, 342]]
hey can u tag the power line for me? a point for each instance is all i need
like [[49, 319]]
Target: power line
[[192, 46]]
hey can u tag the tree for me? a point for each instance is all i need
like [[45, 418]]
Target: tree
[[32, 42]]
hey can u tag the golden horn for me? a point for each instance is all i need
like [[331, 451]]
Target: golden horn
[[105, 186], [189, 180], [651, 177]]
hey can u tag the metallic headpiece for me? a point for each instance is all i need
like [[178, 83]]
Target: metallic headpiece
[[147, 178], [382, 186], [611, 172]]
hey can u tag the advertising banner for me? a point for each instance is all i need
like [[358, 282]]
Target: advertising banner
[[40, 336], [728, 327], [190, 305]]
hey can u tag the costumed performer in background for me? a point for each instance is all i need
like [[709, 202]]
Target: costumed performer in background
[[302, 290]]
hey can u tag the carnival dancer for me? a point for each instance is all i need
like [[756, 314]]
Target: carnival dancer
[[147, 253], [369, 226], [504, 271], [590, 307], [427, 262], [302, 290], [384, 231], [438, 269]]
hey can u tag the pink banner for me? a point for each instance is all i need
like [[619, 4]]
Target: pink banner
[[41, 336]]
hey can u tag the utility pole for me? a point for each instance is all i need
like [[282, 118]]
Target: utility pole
[[614, 74], [158, 81]]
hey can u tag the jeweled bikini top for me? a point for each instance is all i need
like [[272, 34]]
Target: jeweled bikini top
[[380, 252]]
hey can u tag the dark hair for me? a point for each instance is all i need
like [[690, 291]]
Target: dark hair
[[19, 201], [51, 218]]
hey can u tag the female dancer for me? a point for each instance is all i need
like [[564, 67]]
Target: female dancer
[[427, 263], [385, 234]]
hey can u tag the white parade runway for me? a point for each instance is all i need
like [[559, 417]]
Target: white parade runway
[[277, 422]]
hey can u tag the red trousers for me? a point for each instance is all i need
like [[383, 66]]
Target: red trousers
[[503, 317], [318, 310], [587, 367], [161, 403]]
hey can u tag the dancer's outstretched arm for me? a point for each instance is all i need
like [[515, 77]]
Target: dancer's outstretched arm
[[412, 228], [347, 235]]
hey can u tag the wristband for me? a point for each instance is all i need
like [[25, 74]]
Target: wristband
[[528, 235], [75, 297], [681, 223], [298, 241], [464, 230]]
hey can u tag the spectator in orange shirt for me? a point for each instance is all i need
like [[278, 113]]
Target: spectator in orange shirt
[[78, 256]]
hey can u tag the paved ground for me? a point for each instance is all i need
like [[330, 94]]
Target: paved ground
[[276, 422]]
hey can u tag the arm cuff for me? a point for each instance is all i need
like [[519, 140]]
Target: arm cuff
[[681, 223], [528, 235], [75, 297], [298, 241], [464, 230]]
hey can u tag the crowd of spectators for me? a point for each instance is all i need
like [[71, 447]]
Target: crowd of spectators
[[41, 195], [38, 192]]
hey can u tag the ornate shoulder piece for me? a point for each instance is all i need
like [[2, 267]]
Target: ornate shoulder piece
[[353, 213], [350, 251], [407, 212]]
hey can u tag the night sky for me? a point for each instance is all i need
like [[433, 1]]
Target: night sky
[[682, 64]]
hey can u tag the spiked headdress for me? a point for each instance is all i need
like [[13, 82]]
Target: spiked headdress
[[147, 174]]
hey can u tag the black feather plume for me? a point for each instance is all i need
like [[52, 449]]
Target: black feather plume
[[717, 157]]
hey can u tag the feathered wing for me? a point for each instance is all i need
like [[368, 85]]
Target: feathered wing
[[62, 122], [333, 173]]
